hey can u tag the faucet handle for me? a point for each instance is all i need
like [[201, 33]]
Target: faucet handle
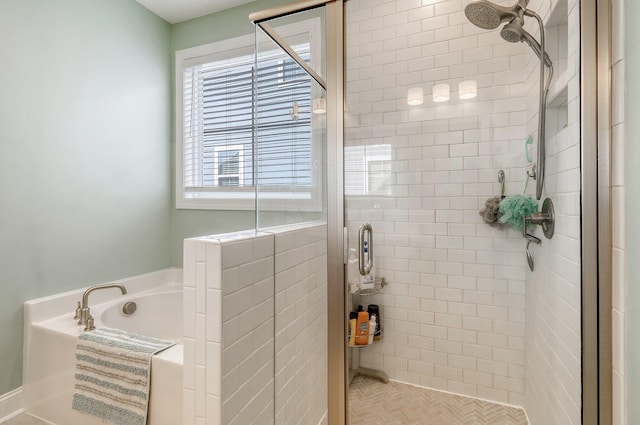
[[77, 315], [545, 218], [90, 326], [84, 316]]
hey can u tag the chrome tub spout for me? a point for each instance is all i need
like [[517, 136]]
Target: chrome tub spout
[[84, 316]]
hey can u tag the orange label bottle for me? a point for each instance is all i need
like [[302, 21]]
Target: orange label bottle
[[362, 328]]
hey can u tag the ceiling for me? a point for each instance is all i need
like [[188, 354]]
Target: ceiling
[[174, 11]]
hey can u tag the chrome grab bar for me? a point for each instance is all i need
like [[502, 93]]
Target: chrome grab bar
[[365, 249]]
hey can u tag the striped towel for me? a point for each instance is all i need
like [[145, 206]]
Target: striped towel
[[113, 371]]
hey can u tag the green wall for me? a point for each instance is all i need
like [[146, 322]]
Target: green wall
[[632, 154], [87, 137], [85, 166], [208, 29]]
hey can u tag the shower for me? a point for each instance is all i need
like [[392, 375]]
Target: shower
[[489, 16]]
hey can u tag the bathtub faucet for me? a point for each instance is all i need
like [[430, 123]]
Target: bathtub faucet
[[83, 313]]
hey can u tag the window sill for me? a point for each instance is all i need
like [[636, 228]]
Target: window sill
[[267, 201]]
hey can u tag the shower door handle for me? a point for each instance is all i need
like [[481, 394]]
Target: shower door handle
[[365, 249]]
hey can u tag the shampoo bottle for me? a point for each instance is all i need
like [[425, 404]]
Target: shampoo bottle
[[368, 281], [353, 274], [362, 328], [374, 311], [352, 328], [372, 327]]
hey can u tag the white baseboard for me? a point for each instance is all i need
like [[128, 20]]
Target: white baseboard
[[11, 405]]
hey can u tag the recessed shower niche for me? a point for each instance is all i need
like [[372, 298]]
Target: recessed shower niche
[[557, 47]]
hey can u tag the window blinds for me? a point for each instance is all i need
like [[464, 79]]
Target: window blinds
[[220, 151]]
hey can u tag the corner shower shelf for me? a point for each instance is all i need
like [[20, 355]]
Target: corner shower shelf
[[380, 283], [365, 345]]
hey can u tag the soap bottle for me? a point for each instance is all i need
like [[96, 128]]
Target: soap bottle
[[368, 281], [362, 328], [353, 318], [372, 327], [353, 273], [374, 311]]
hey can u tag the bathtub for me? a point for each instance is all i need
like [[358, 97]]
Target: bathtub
[[50, 338]]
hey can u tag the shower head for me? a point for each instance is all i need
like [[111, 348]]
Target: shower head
[[513, 32], [489, 16]]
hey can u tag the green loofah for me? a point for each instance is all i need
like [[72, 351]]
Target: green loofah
[[513, 208]]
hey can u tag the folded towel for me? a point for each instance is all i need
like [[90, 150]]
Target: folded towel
[[113, 371]]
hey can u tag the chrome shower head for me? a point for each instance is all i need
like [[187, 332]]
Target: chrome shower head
[[513, 32], [489, 16]]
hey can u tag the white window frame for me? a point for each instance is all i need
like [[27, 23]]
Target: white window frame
[[216, 163], [244, 198], [364, 170]]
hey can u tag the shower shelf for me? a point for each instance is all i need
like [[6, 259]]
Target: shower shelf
[[364, 345], [556, 28], [379, 284]]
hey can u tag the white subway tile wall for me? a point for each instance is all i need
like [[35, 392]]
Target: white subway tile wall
[[453, 311], [247, 330], [618, 213], [553, 300], [228, 335], [233, 286], [301, 324]]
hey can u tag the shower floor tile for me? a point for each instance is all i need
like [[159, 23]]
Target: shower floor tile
[[372, 402]]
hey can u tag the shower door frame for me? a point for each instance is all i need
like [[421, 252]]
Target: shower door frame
[[336, 253], [595, 112], [596, 237], [337, 295]]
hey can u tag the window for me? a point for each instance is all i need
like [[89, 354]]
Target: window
[[368, 170], [228, 166], [220, 155]]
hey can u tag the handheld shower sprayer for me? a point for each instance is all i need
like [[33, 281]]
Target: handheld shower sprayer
[[487, 15], [514, 33]]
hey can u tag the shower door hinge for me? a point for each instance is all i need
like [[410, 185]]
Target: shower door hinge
[[345, 245]]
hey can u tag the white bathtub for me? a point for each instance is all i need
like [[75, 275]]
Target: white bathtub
[[50, 339]]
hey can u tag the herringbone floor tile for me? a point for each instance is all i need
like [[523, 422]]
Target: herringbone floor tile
[[372, 402]]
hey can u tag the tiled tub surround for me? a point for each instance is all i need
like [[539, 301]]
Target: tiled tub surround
[[50, 341], [234, 284], [459, 296]]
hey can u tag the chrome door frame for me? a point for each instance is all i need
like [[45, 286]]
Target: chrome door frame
[[336, 288], [595, 110], [595, 117], [337, 296]]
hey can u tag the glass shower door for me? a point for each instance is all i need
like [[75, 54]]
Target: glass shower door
[[290, 162], [436, 110]]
